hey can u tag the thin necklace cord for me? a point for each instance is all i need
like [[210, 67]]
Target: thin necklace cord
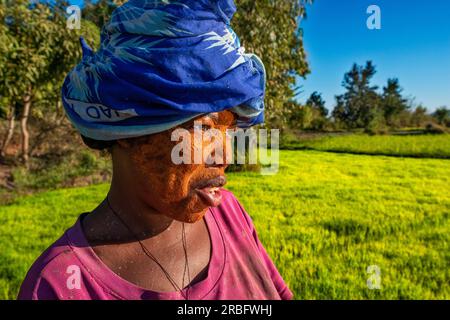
[[152, 257]]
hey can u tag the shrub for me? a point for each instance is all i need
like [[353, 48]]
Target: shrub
[[434, 128]]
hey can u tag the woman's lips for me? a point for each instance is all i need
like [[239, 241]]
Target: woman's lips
[[209, 190], [211, 196]]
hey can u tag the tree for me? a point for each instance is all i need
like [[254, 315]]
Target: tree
[[43, 51], [393, 103], [419, 116], [359, 105], [31, 30], [339, 113], [8, 45], [316, 102], [100, 11], [48, 110], [301, 116], [442, 115]]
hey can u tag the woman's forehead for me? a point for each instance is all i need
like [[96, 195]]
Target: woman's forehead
[[222, 117]]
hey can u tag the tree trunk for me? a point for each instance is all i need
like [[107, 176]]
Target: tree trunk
[[10, 132], [24, 127]]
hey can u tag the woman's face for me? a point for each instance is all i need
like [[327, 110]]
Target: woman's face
[[181, 191]]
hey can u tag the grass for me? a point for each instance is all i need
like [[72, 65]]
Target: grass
[[324, 218], [418, 146]]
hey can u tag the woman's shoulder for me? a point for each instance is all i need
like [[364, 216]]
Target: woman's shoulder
[[52, 264]]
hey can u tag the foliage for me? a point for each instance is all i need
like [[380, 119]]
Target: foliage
[[86, 165], [359, 105], [270, 29], [419, 117], [316, 101], [300, 116], [442, 115], [100, 11], [311, 116], [434, 128], [392, 102], [38, 53]]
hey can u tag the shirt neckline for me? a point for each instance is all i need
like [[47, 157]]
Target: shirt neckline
[[113, 284]]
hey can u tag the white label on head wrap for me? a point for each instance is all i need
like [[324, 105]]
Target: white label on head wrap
[[93, 112]]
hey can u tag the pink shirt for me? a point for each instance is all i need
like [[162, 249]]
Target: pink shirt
[[239, 267]]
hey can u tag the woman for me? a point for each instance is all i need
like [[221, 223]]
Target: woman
[[165, 230]]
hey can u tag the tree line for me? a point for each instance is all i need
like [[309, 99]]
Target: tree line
[[363, 106]]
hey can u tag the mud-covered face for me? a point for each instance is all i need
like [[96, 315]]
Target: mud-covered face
[[182, 191]]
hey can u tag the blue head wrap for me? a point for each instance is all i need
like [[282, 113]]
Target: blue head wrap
[[162, 63]]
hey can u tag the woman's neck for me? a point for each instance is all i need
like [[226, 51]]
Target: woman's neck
[[127, 218]]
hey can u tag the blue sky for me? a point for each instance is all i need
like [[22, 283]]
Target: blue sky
[[413, 45], [77, 2]]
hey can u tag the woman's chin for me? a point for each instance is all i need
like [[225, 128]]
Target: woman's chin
[[190, 211]]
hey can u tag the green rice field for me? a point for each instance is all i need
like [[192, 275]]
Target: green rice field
[[418, 146]]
